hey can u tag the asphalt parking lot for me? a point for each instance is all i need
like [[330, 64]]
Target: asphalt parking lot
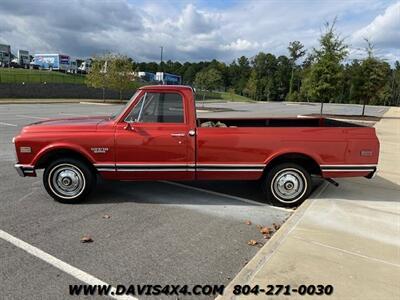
[[157, 233]]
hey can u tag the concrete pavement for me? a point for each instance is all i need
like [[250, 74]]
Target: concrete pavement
[[348, 237]]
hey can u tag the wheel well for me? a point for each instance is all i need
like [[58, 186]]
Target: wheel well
[[303, 160], [46, 159]]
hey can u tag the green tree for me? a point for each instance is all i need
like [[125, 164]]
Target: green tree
[[282, 76], [209, 79], [375, 73], [325, 75], [119, 71], [251, 86], [355, 75], [265, 67], [395, 84], [98, 77], [295, 52]]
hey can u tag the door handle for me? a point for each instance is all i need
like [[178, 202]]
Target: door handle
[[180, 134]]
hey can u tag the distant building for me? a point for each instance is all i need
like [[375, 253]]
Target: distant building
[[5, 55], [167, 78]]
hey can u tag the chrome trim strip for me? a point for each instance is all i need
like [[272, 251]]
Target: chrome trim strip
[[106, 170], [231, 165], [104, 165], [348, 170], [24, 166], [179, 165], [322, 166], [156, 170], [229, 170], [176, 170], [152, 165]]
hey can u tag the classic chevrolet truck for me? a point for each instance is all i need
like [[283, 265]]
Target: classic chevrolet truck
[[157, 136]]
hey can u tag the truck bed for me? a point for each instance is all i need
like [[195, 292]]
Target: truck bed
[[273, 122]]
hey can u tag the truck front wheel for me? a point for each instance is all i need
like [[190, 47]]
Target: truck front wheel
[[68, 180], [287, 185]]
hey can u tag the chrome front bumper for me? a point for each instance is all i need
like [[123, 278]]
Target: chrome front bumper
[[25, 170]]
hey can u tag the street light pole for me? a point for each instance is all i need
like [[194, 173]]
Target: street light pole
[[162, 49]]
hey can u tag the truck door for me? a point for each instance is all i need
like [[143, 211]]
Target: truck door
[[153, 141]]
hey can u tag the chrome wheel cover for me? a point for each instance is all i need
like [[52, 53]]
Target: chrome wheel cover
[[289, 185], [66, 181]]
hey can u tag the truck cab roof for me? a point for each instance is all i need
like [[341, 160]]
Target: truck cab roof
[[166, 87]]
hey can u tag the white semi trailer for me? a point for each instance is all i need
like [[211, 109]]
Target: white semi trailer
[[23, 58], [5, 55]]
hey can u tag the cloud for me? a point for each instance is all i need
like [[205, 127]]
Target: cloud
[[80, 28], [241, 45], [194, 21], [201, 30], [384, 30]]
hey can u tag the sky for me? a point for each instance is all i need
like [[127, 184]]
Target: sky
[[195, 30]]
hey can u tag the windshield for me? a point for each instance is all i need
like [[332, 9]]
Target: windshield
[[119, 111]]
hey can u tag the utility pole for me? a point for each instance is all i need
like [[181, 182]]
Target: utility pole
[[162, 49]]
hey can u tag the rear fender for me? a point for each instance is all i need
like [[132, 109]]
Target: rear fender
[[282, 152]]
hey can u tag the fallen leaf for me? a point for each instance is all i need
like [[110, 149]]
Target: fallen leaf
[[106, 217], [247, 222], [259, 226], [252, 242], [265, 230], [267, 237], [86, 239], [276, 226]]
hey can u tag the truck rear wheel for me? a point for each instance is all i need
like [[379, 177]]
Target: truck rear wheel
[[287, 185], [68, 180]]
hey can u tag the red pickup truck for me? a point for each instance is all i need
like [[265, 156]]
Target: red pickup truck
[[157, 136]]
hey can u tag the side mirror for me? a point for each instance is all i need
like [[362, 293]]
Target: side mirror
[[129, 127]]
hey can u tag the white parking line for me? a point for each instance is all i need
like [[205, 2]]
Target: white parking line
[[59, 264], [32, 117], [225, 195], [95, 103], [8, 124]]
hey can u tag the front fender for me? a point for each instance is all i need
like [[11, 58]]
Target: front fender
[[62, 146]]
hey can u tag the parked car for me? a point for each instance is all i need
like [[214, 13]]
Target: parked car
[[157, 136]]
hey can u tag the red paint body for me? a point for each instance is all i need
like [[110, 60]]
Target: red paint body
[[147, 151]]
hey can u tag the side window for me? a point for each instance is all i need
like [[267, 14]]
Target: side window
[[158, 108]]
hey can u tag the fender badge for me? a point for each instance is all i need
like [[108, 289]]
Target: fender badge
[[99, 150]]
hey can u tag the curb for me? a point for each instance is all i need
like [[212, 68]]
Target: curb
[[341, 119], [267, 251]]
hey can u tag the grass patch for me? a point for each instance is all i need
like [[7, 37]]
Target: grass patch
[[221, 96], [234, 97], [10, 75]]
